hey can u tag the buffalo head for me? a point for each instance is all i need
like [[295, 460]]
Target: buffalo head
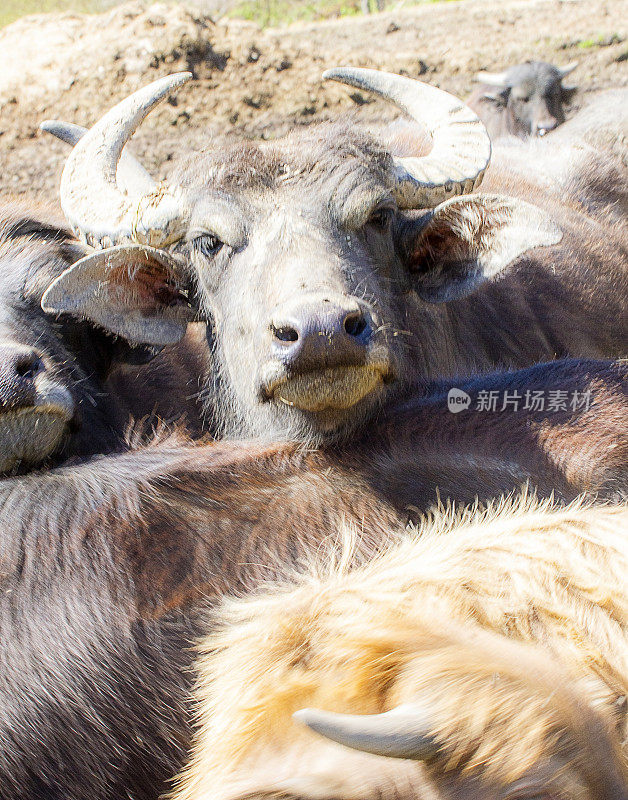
[[316, 259], [53, 398], [531, 94]]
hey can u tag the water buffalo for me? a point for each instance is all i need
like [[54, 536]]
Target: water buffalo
[[67, 387], [335, 267], [109, 564], [482, 659], [525, 100]]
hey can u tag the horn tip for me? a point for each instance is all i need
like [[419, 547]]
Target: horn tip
[[305, 716], [181, 77], [340, 73], [321, 722], [330, 74], [168, 83], [68, 132]]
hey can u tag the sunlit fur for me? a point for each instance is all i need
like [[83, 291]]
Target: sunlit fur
[[508, 629]]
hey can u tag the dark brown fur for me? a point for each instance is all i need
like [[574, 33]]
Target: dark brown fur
[[168, 389]]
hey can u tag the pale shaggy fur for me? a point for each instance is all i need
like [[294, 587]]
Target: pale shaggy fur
[[509, 628]]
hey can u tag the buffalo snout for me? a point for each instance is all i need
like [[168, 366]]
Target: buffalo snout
[[315, 333], [542, 126], [19, 366], [324, 354], [36, 407]]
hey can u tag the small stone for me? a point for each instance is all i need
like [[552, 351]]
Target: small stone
[[285, 63]]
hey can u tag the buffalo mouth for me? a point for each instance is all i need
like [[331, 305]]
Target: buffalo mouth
[[29, 435], [330, 389]]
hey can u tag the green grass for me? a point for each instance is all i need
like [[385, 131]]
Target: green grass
[[10, 10], [283, 12], [600, 41], [263, 12]]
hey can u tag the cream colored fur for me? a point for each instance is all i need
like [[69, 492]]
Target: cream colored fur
[[508, 629]]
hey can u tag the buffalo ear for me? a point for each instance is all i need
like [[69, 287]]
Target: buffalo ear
[[130, 290], [568, 92], [469, 240]]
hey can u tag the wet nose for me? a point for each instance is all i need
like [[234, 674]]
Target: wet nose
[[18, 367], [319, 333], [544, 126]]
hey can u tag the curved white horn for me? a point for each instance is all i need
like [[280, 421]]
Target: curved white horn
[[93, 203], [462, 148], [567, 69], [492, 79], [400, 733], [131, 176]]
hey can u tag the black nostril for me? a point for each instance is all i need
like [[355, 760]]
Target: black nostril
[[27, 366], [285, 333], [355, 324]]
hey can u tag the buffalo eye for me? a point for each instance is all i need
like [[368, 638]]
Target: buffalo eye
[[207, 244], [380, 218]]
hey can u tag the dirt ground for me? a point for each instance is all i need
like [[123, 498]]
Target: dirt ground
[[259, 83]]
